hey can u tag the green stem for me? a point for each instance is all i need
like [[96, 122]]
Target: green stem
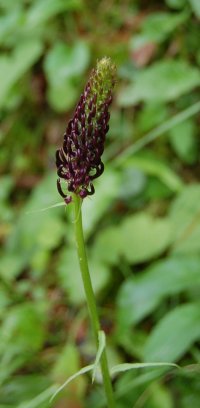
[[91, 303]]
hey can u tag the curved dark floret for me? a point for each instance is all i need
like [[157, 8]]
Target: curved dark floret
[[78, 161]]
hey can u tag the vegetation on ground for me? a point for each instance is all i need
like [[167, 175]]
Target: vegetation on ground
[[142, 226]]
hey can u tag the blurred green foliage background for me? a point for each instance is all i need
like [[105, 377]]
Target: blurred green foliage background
[[143, 224]]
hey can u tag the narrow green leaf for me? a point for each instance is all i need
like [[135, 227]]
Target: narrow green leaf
[[174, 334], [102, 344], [141, 294], [140, 380], [37, 401], [47, 208], [132, 366], [71, 378]]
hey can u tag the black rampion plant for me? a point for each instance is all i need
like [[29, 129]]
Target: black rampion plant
[[78, 164]]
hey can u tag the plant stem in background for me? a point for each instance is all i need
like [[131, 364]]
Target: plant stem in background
[[151, 136], [91, 303]]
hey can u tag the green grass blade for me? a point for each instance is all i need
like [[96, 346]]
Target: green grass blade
[[37, 401], [131, 366], [46, 208]]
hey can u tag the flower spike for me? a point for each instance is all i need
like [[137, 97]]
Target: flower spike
[[78, 161]]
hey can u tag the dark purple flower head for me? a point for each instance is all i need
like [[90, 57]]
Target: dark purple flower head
[[78, 161]]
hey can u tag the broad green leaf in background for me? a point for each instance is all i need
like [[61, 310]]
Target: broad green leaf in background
[[140, 295], [165, 80], [107, 245], [6, 211], [155, 167], [6, 186], [129, 189], [133, 184], [7, 4], [22, 58], [64, 64], [184, 141], [5, 300], [12, 264], [68, 363], [66, 61], [184, 215], [160, 396], [70, 277], [189, 243], [44, 194], [9, 24], [34, 234], [152, 115], [26, 323], [63, 96], [28, 390], [195, 4], [20, 21], [144, 237], [174, 334], [156, 190], [94, 207], [29, 333], [43, 10], [138, 238], [119, 128], [156, 27], [40, 401], [188, 389], [176, 4]]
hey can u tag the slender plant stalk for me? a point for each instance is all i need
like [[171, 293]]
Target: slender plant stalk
[[91, 303], [152, 135]]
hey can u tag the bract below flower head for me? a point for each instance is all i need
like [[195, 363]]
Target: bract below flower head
[[79, 159]]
